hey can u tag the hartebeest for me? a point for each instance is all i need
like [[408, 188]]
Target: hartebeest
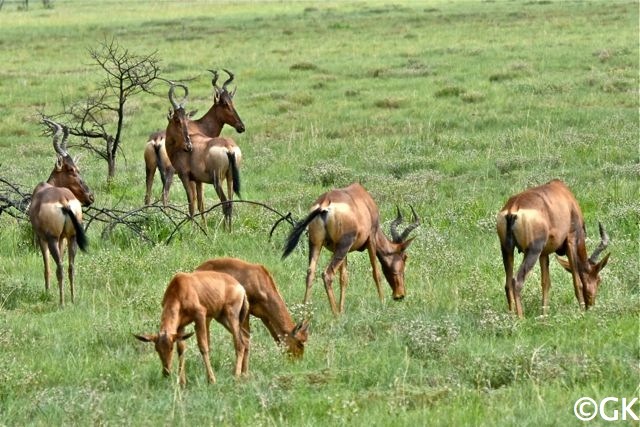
[[200, 159], [155, 157], [540, 221], [346, 220], [197, 298], [56, 211], [265, 301], [221, 112]]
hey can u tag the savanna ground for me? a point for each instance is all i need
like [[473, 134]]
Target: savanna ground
[[448, 106]]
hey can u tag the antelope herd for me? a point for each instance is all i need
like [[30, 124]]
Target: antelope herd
[[539, 221]]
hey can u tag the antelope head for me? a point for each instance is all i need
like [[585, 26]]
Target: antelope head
[[296, 339], [590, 273], [223, 100], [164, 343], [393, 257], [65, 173], [178, 117]]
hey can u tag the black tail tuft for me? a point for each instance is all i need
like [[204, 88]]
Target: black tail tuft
[[510, 241], [298, 229], [161, 166], [235, 172], [81, 237]]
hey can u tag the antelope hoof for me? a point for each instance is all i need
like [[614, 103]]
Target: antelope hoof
[[398, 298]]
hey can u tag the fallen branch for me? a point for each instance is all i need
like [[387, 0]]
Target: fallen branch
[[14, 200]]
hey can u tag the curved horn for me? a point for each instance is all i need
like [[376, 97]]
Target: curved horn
[[604, 242], [65, 136], [229, 80], [394, 226], [412, 226], [174, 104], [172, 90], [214, 80], [57, 130]]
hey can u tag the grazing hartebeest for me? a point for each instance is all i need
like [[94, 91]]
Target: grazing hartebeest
[[346, 220], [197, 298], [199, 159], [540, 221], [56, 212], [221, 112], [265, 301]]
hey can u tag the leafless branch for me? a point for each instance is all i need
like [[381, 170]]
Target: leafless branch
[[14, 200], [99, 119]]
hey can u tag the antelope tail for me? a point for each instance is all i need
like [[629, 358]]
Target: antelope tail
[[161, 166], [235, 172], [510, 240], [81, 237], [298, 229]]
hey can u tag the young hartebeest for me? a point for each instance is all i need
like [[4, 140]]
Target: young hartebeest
[[540, 221], [56, 211], [200, 159], [265, 301], [346, 220], [221, 112], [197, 298]]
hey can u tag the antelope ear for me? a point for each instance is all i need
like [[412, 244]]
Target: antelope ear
[[147, 337], [59, 163], [301, 330], [564, 263], [192, 113], [182, 337], [599, 266], [406, 243]]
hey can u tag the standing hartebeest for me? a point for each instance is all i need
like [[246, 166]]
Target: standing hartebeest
[[265, 301], [346, 220], [540, 221], [221, 112], [197, 298], [200, 159], [155, 157], [56, 211]]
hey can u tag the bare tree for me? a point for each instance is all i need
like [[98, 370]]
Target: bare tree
[[99, 119]]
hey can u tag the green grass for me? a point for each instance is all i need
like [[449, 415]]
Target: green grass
[[448, 106]]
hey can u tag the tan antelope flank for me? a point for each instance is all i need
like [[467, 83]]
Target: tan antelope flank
[[265, 301], [346, 220], [538, 222], [197, 298], [56, 211], [221, 112], [200, 159]]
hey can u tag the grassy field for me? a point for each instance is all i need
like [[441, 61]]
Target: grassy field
[[448, 106]]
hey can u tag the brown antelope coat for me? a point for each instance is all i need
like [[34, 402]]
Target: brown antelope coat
[[540, 221], [198, 159], [222, 112], [346, 220], [198, 298], [55, 212], [265, 301]]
